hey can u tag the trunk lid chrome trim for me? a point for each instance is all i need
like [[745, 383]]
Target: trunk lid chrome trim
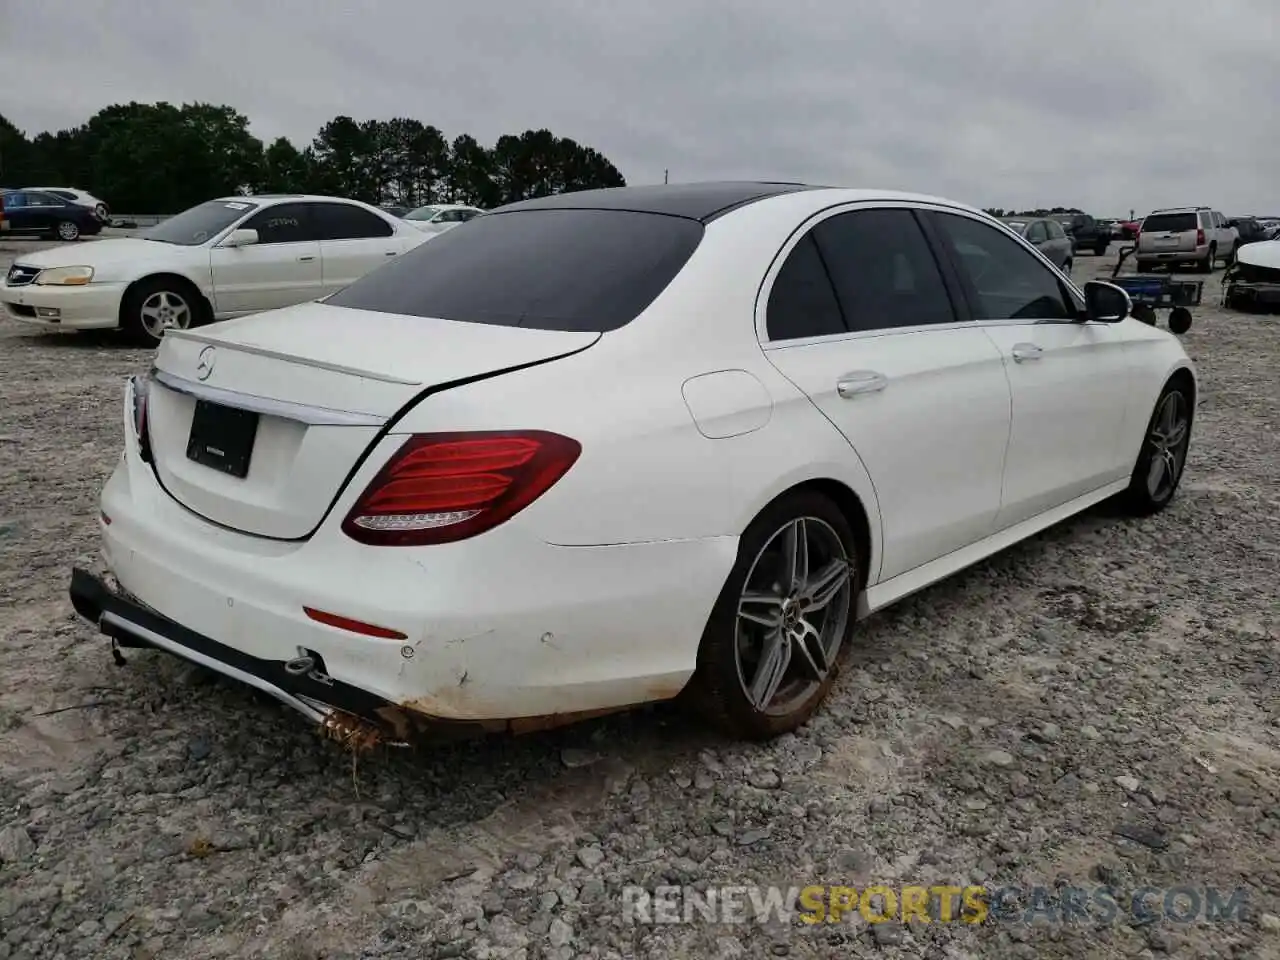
[[288, 357], [284, 409]]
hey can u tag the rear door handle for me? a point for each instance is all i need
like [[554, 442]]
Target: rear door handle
[[860, 381], [391, 253], [305, 259], [1026, 351]]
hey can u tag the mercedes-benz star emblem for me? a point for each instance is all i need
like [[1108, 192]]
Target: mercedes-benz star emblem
[[204, 363]]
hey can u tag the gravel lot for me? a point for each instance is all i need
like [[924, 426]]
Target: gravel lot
[[1097, 706]]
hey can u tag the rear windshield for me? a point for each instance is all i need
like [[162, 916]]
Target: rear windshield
[[1173, 222], [574, 270]]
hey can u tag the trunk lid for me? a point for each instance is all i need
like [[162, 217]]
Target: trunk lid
[[284, 403]]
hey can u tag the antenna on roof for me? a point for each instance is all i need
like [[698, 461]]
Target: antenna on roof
[[664, 176]]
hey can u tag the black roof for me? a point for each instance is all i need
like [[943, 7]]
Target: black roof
[[693, 201]]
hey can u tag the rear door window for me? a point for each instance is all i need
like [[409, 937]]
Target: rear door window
[[883, 270], [571, 270], [802, 302], [1006, 282], [342, 221], [1038, 232]]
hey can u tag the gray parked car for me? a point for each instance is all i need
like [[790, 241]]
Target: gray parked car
[[1047, 235]]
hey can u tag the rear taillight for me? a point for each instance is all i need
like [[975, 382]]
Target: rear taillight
[[1200, 237], [141, 394], [442, 487]]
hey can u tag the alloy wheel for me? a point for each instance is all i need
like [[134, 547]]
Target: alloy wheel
[[1168, 438], [792, 615], [68, 230], [164, 309]]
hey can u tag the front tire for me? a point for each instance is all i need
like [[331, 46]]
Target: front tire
[[1163, 456], [771, 648], [154, 305], [67, 231]]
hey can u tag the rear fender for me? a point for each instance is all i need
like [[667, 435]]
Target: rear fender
[[646, 472]]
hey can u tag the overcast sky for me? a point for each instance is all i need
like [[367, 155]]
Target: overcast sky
[[1103, 105]]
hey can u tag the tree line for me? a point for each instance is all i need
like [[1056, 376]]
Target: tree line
[[999, 212], [162, 158]]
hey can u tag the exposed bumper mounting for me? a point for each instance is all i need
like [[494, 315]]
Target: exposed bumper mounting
[[131, 624]]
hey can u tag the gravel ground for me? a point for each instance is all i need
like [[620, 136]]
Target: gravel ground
[[1096, 706]]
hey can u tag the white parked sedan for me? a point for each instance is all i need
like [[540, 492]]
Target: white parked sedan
[[221, 259], [439, 217], [602, 448]]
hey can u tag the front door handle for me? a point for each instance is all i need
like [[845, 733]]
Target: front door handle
[[1026, 351], [305, 259], [392, 253], [861, 381]]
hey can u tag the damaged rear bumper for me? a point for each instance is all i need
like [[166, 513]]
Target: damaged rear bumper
[[1263, 294], [302, 684]]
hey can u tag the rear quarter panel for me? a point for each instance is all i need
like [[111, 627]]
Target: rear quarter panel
[[646, 471]]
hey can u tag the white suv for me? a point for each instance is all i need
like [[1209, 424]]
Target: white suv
[[1198, 235]]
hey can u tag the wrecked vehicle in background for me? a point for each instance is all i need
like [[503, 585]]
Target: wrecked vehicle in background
[[1252, 281]]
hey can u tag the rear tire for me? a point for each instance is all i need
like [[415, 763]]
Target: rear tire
[[1145, 266], [1163, 455], [802, 641], [1100, 250], [1206, 265]]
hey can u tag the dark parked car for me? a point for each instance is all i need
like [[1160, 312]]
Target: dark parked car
[[32, 212], [1047, 235], [1086, 232], [1249, 229]]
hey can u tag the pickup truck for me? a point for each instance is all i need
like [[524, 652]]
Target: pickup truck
[[1086, 233]]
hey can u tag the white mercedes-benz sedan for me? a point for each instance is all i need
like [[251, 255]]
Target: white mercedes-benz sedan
[[606, 447], [220, 259]]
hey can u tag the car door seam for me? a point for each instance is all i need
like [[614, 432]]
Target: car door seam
[[1008, 438], [849, 443]]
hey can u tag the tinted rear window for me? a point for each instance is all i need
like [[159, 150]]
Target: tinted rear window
[[1174, 222], [575, 270]]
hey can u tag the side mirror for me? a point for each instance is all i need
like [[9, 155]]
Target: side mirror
[[1105, 302], [240, 238]]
